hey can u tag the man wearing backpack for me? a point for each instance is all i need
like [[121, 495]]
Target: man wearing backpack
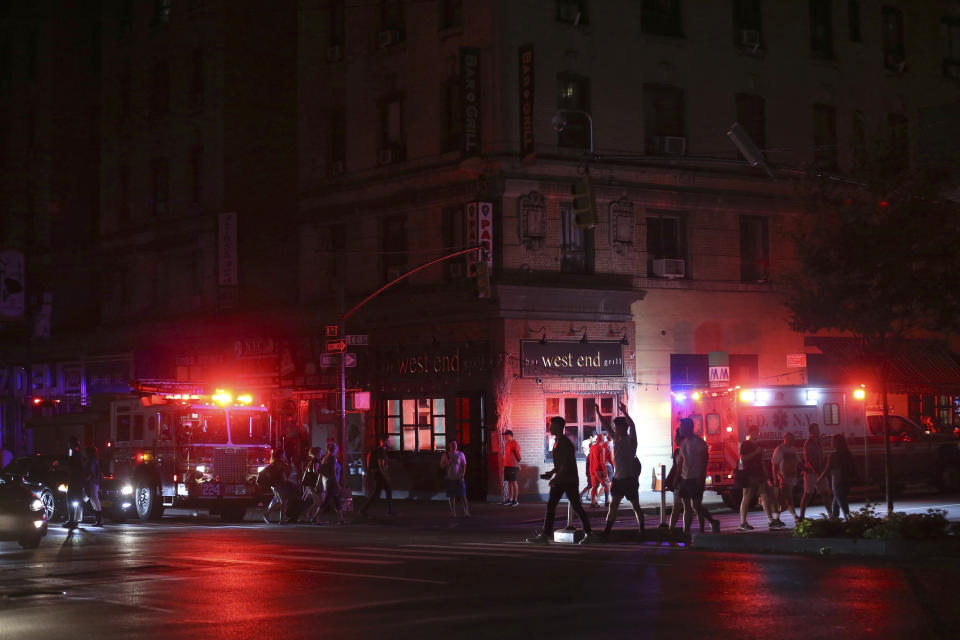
[[786, 464]]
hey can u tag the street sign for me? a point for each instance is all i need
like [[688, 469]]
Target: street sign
[[327, 361], [358, 339], [349, 359], [719, 376], [336, 346], [332, 330]]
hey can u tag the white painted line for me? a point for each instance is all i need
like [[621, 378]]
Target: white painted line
[[374, 577], [121, 603], [333, 557]]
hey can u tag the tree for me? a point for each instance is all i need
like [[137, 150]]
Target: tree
[[877, 258]]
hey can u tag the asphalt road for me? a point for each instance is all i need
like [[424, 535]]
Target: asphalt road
[[426, 575]]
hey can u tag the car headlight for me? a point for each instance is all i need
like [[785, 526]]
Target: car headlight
[[201, 468], [36, 505], [126, 490], [62, 488]]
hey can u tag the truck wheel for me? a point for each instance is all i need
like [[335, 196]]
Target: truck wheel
[[30, 540], [147, 501], [232, 513]]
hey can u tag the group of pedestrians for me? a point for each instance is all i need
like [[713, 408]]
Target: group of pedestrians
[[303, 493], [83, 483]]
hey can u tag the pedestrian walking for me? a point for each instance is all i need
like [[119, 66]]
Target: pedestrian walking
[[814, 463], [511, 467], [311, 484], [599, 480], [76, 479], [585, 448], [330, 471], [843, 473], [693, 478], [672, 483], [91, 486], [275, 477], [564, 480], [455, 465], [626, 470], [785, 464], [378, 477], [752, 478]]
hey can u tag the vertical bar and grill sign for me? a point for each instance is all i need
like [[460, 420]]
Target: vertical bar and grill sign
[[527, 153], [227, 243], [470, 90]]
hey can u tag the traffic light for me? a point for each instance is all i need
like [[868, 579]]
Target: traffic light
[[584, 206], [483, 276]]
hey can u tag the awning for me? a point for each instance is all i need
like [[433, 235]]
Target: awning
[[78, 419], [915, 366]]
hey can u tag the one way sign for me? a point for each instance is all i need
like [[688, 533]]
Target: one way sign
[[349, 359]]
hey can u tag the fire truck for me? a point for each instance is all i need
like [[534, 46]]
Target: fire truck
[[722, 418], [181, 448]]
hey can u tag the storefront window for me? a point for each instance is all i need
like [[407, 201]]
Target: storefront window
[[416, 424], [581, 414]]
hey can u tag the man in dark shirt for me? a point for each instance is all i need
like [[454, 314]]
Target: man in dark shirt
[[378, 472], [76, 479], [564, 479]]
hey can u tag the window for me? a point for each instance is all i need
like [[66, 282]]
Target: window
[[393, 239], [392, 22], [853, 20], [663, 118], [831, 413], [332, 244], [582, 417], [137, 427], [338, 141], [196, 272], [951, 47], [754, 249], [744, 369], [451, 14], [577, 250], [126, 16], [824, 136], [196, 77], [160, 170], [748, 24], [859, 137], [572, 12], [123, 427], [416, 424], [662, 18], [124, 88], [713, 424], [160, 104], [196, 174], [751, 114], [5, 68], [338, 23], [664, 237], [123, 201], [454, 237], [161, 12], [899, 145], [821, 29], [899, 427], [392, 139], [574, 98], [452, 115], [894, 56]]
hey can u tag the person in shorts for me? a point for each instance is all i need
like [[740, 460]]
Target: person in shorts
[[455, 465], [754, 480], [693, 477], [511, 467], [626, 475], [814, 462], [785, 465]]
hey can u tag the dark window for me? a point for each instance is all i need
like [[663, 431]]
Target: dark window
[[126, 15], [32, 55], [196, 272], [451, 14], [663, 118], [392, 22], [196, 174], [859, 137], [5, 68], [662, 18], [951, 47], [338, 23], [754, 249], [95, 53], [123, 208], [572, 12], [894, 55], [824, 136], [124, 88], [748, 23], [393, 239], [573, 98], [196, 77], [898, 135], [160, 104], [137, 427], [161, 12], [853, 20], [666, 250], [160, 191], [393, 146], [454, 236], [689, 369], [744, 369], [821, 29], [123, 427], [751, 114], [577, 249], [332, 247], [452, 115], [338, 141]]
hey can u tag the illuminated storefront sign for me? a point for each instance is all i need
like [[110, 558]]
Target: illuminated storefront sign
[[571, 358]]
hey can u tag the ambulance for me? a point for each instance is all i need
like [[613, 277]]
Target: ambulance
[[722, 417]]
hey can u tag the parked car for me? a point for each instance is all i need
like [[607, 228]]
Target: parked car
[[51, 474], [21, 512]]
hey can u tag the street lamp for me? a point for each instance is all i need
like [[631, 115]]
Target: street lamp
[[561, 120]]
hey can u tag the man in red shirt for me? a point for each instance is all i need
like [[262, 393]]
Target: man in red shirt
[[511, 467], [599, 478]]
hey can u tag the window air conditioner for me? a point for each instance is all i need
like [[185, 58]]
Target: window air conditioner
[[337, 167], [388, 38], [750, 37], [386, 156], [334, 53], [668, 268], [672, 145]]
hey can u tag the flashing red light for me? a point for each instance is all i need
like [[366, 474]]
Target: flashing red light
[[884, 203], [37, 400]]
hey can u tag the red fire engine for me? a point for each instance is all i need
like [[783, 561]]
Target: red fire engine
[[182, 448]]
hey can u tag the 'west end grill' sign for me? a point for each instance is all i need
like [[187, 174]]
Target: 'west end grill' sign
[[575, 359]]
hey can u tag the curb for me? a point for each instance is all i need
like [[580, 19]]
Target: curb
[[785, 543]]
